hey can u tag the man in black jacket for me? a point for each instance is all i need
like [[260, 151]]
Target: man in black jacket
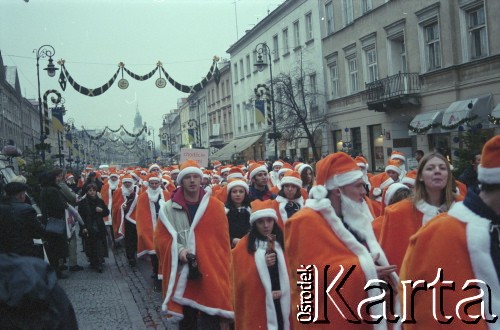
[[18, 223]]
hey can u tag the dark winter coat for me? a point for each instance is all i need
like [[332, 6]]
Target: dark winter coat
[[30, 297], [18, 227]]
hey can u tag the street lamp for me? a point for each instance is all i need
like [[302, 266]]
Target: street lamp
[[42, 52], [262, 49], [150, 128]]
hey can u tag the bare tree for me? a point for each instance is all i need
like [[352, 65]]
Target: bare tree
[[296, 108]]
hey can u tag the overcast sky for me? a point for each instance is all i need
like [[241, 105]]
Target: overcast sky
[[93, 36]]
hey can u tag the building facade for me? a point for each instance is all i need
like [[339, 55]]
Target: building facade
[[408, 75]]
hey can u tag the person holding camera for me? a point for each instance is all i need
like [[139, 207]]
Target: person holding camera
[[193, 227]]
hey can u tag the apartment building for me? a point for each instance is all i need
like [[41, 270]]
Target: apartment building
[[291, 33], [407, 75]]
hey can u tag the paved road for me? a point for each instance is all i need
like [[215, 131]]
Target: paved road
[[119, 298]]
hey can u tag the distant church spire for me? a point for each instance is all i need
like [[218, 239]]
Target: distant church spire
[[137, 120]]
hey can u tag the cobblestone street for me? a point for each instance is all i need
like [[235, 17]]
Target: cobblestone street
[[119, 298]]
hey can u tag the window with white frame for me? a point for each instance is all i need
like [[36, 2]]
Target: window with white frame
[[249, 65], [396, 48], [309, 27], [242, 70], [371, 65], [476, 32], [239, 119], [235, 69], [347, 11], [334, 78], [432, 46], [228, 88], [296, 34], [276, 48], [222, 89], [366, 5], [429, 37], [313, 89], [330, 26], [286, 48], [352, 65]]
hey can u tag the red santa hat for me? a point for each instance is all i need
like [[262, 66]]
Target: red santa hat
[[235, 172], [285, 168], [225, 169], [278, 162], [188, 167], [237, 182], [292, 177], [337, 170], [114, 174], [128, 178], [393, 165], [175, 170], [256, 168], [207, 174], [410, 178], [153, 177], [389, 192], [362, 162], [69, 176], [153, 166], [262, 209], [216, 164], [398, 155], [302, 167], [489, 170]]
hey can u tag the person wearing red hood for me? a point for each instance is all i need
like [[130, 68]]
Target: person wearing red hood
[[333, 233], [192, 244]]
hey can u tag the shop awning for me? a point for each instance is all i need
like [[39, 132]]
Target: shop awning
[[459, 112], [426, 123], [238, 145]]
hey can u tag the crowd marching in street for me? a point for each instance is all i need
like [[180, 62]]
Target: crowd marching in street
[[271, 245]]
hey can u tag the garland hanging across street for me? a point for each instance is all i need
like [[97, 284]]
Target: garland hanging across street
[[64, 76], [100, 135], [494, 120]]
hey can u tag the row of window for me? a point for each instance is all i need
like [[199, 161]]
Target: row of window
[[245, 66], [217, 93], [347, 13], [474, 32]]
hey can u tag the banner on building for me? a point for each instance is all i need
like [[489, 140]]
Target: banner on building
[[260, 111]]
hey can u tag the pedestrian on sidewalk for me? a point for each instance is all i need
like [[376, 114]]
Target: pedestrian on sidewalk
[[92, 209]]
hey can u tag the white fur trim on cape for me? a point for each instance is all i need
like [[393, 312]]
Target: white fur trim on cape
[[488, 175], [264, 213], [343, 179], [178, 295], [479, 245], [282, 204], [323, 205], [131, 210], [429, 211], [285, 300]]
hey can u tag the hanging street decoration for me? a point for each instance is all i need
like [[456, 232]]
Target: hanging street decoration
[[100, 135], [466, 120], [422, 130], [64, 76], [494, 120]]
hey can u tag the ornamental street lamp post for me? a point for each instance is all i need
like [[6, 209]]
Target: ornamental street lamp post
[[262, 49], [42, 52]]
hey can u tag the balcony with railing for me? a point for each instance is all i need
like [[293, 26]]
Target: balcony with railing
[[394, 92], [216, 141]]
